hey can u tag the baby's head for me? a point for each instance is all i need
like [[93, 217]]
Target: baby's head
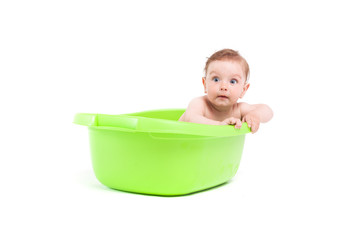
[[226, 78], [230, 55]]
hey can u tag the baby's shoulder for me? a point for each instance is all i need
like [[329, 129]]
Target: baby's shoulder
[[197, 106], [242, 105], [245, 108], [198, 101]]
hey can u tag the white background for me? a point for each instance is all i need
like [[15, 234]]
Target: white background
[[299, 175]]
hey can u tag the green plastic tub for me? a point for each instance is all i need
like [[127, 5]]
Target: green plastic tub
[[152, 153]]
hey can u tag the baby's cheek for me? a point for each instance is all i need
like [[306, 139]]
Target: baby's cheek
[[212, 93]]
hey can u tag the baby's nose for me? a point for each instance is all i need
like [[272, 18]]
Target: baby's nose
[[223, 87]]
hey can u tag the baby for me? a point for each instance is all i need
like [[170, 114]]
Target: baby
[[226, 81]]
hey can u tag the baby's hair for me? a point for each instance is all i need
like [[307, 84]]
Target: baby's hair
[[229, 54]]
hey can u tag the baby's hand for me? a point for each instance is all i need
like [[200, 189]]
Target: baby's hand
[[232, 121], [253, 121]]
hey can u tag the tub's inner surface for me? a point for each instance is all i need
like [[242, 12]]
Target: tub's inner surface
[[157, 121]]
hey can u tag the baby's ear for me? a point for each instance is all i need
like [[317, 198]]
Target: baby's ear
[[245, 88], [204, 83]]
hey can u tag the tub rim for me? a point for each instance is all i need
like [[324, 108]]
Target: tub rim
[[134, 123]]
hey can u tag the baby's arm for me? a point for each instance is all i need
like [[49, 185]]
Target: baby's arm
[[255, 114], [195, 113]]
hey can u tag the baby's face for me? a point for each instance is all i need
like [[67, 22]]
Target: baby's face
[[225, 82]]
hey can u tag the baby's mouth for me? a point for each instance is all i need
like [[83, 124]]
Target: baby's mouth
[[223, 97]]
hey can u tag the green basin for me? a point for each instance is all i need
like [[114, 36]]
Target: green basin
[[153, 153]]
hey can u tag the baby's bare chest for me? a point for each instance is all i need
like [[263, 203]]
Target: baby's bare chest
[[220, 116]]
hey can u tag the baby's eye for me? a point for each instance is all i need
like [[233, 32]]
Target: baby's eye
[[216, 79], [233, 81]]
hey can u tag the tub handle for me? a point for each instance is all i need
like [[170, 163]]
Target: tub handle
[[118, 121], [86, 119]]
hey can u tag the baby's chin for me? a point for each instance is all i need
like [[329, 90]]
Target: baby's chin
[[223, 102]]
